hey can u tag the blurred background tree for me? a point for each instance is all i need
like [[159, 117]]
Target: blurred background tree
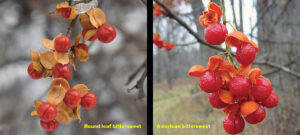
[[25, 23]]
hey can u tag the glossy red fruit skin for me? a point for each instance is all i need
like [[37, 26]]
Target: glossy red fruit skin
[[215, 33], [72, 98], [262, 89], [271, 101], [84, 47], [257, 116], [239, 86], [32, 73], [233, 124], [245, 54], [93, 38], [88, 101], [210, 81], [65, 12], [49, 125], [106, 33], [62, 44], [61, 71], [215, 101], [47, 112]]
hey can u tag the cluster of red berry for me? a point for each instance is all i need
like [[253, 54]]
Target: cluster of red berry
[[161, 43], [238, 90], [157, 10], [64, 102]]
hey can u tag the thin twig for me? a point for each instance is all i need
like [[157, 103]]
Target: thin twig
[[71, 26], [133, 75]]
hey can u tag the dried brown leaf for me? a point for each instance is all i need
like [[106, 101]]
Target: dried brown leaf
[[48, 44], [83, 89], [33, 113], [34, 56], [37, 66], [81, 55], [85, 21], [60, 82], [48, 60], [97, 17], [72, 62], [37, 103], [56, 95], [62, 58], [90, 33], [62, 117]]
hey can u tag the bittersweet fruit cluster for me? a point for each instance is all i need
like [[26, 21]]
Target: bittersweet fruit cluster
[[64, 102], [241, 92], [160, 43]]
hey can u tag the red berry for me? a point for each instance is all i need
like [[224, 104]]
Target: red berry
[[233, 124], [215, 33], [65, 12], [50, 125], [106, 33], [32, 73], [245, 54], [93, 38], [210, 82], [88, 101], [215, 101], [61, 71], [257, 116], [47, 112], [239, 86], [72, 98], [62, 44], [84, 47], [271, 101], [262, 89]]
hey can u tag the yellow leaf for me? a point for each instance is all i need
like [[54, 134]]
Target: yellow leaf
[[62, 117], [72, 62], [62, 58], [34, 56], [37, 66], [33, 113], [81, 55], [47, 73], [77, 39], [85, 21], [90, 33], [48, 60], [56, 94], [73, 14], [48, 44], [83, 89], [60, 82], [37, 103], [97, 17]]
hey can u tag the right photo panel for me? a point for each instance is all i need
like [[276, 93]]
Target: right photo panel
[[226, 67]]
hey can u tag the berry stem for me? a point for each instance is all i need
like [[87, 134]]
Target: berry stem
[[228, 55]]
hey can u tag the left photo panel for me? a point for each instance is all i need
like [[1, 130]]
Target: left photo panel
[[73, 67]]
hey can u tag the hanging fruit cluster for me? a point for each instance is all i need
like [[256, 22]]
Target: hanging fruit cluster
[[243, 93], [161, 43], [158, 10], [64, 102]]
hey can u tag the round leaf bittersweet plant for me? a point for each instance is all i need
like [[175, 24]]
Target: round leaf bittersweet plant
[[64, 102]]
